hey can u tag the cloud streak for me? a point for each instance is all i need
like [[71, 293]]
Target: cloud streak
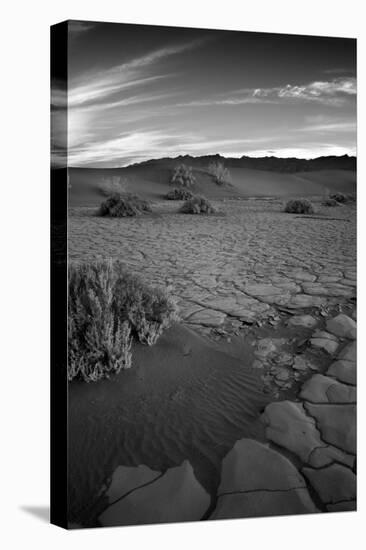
[[93, 86], [334, 93], [143, 145], [136, 93], [110, 93], [331, 127]]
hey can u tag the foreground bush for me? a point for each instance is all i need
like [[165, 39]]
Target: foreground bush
[[107, 307], [220, 174], [299, 206], [111, 186], [121, 205], [197, 205], [183, 176], [179, 194]]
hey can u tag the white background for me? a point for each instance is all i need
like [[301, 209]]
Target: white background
[[24, 306]]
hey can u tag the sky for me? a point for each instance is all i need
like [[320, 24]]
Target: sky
[[138, 92]]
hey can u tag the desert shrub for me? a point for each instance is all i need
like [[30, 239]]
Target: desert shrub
[[112, 185], [99, 340], [338, 197], [341, 198], [183, 176], [107, 306], [197, 205], [179, 194], [121, 205], [299, 206], [220, 174], [330, 202]]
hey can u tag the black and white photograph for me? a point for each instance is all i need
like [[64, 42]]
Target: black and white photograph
[[205, 228]]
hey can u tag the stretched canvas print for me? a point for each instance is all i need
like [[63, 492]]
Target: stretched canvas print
[[203, 202]]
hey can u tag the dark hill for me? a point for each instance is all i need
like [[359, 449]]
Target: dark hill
[[272, 164]]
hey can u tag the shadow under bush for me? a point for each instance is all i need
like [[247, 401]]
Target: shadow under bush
[[299, 206], [121, 205], [107, 308], [198, 205]]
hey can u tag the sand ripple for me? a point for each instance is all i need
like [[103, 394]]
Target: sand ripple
[[171, 406]]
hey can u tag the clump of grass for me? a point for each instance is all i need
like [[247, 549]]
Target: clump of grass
[[299, 206], [220, 174], [121, 205], [183, 176], [179, 194], [197, 205], [112, 185], [107, 307]]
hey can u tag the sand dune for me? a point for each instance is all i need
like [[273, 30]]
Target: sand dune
[[152, 182]]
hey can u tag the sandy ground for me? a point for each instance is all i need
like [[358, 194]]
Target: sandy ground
[[238, 277], [152, 182], [182, 399], [236, 266]]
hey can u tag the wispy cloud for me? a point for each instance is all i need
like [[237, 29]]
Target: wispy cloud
[[330, 127], [250, 99], [91, 92], [93, 86], [329, 124], [143, 145], [334, 93], [100, 99], [132, 108], [123, 102]]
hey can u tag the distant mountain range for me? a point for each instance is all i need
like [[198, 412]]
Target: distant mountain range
[[274, 164]]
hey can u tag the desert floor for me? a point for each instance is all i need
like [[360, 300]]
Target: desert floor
[[256, 377]]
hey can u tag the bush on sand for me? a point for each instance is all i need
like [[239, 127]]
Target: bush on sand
[[107, 308], [183, 176], [220, 174], [179, 194], [341, 197], [121, 205], [299, 206], [198, 205]]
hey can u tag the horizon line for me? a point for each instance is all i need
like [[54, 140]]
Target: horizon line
[[354, 156]]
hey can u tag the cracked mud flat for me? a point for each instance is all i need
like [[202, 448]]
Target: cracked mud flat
[[239, 266], [255, 360]]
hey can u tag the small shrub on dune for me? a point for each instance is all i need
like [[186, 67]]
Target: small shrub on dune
[[107, 307], [183, 176], [299, 206], [220, 174], [112, 185], [197, 205], [179, 195], [341, 197], [123, 205]]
